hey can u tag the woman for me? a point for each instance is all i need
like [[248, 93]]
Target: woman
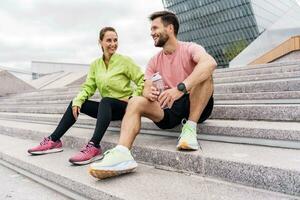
[[112, 74]]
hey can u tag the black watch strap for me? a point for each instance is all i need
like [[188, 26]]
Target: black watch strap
[[181, 87]]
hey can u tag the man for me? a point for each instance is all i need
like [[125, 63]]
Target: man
[[187, 71]]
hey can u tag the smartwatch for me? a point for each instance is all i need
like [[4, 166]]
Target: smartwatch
[[181, 87]]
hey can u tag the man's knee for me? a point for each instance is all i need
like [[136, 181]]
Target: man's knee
[[208, 81], [137, 103], [203, 87]]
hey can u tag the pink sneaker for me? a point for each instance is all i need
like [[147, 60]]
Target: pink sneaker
[[88, 154], [46, 146]]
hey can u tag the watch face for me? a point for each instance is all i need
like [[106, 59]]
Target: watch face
[[181, 87]]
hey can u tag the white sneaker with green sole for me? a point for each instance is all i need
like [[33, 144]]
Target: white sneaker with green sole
[[114, 163]]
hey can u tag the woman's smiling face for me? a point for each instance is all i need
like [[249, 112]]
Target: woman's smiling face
[[109, 43]]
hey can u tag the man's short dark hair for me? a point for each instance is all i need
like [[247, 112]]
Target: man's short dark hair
[[167, 18]]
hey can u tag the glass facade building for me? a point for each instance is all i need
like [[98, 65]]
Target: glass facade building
[[225, 27]]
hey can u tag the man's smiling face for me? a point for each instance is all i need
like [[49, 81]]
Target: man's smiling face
[[159, 32]]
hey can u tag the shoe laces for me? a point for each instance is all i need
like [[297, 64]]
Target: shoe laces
[[87, 148], [110, 151], [45, 141], [186, 129]]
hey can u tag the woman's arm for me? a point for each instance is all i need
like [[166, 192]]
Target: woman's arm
[[88, 88]]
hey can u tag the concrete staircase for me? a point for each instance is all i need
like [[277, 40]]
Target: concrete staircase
[[250, 145]]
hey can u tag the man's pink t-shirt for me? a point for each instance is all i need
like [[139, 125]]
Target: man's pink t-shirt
[[176, 67]]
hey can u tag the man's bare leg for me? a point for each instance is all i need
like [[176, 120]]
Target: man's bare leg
[[140, 106], [199, 97], [131, 123], [119, 160]]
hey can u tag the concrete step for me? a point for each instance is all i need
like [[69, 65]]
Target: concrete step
[[265, 133], [231, 96], [292, 84], [44, 101], [258, 77], [216, 102], [259, 95], [261, 72], [39, 98], [276, 112], [268, 112], [59, 97], [267, 168], [267, 65], [49, 94], [19, 185], [257, 102], [62, 92], [258, 69], [40, 94], [153, 182], [72, 92], [280, 85], [74, 89]]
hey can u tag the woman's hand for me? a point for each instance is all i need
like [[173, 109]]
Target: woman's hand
[[76, 111]]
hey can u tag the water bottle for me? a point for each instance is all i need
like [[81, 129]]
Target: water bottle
[[158, 82]]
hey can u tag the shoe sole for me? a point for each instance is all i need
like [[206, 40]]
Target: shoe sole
[[186, 146], [102, 174], [105, 173], [87, 161], [56, 150]]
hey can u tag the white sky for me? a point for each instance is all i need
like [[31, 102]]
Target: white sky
[[67, 31]]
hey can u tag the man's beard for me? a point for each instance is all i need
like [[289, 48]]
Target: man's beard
[[163, 38]]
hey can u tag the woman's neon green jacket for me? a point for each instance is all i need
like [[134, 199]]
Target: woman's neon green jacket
[[114, 81]]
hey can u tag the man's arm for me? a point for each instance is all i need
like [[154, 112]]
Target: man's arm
[[202, 71]]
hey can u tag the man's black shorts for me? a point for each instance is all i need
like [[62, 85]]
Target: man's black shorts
[[180, 110]]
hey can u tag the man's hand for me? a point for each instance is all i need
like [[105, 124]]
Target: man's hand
[[168, 97], [150, 92], [76, 111]]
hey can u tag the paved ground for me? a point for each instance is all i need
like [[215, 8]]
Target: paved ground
[[15, 186]]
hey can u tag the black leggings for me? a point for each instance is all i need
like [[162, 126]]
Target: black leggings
[[107, 110]]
